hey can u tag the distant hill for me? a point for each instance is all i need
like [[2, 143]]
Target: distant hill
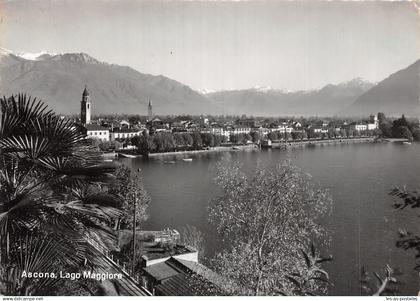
[[327, 101], [398, 94], [60, 79]]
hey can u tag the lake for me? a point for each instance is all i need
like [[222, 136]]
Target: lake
[[359, 176]]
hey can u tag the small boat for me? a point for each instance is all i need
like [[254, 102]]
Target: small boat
[[108, 160], [407, 142], [187, 159], [169, 162]]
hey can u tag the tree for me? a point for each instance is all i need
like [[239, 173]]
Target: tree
[[402, 132], [94, 142], [165, 143], [267, 220], [145, 144], [208, 139], [134, 119], [331, 133], [255, 136], [416, 134], [233, 138], [297, 135], [218, 140], [191, 236], [408, 240], [115, 145], [104, 146], [128, 187], [197, 141], [386, 129], [51, 199], [401, 122], [188, 139], [311, 133], [272, 136], [281, 136], [178, 139], [135, 140]]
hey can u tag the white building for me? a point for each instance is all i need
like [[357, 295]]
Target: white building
[[123, 133], [283, 128], [320, 130], [97, 132], [360, 126], [217, 131]]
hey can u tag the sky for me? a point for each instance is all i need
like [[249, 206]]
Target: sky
[[219, 45]]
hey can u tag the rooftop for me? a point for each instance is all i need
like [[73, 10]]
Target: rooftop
[[161, 271], [178, 277], [95, 127], [164, 250], [125, 130], [85, 92]]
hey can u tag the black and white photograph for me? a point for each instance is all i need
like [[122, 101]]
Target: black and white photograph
[[209, 148]]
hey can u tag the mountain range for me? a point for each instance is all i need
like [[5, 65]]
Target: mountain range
[[59, 80], [396, 95], [326, 101]]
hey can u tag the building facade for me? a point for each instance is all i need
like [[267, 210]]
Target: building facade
[[97, 132], [123, 133]]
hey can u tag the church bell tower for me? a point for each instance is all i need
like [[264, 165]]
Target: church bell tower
[[150, 111], [86, 107]]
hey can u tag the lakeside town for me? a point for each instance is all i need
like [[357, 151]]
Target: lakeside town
[[154, 134], [166, 262], [209, 148]]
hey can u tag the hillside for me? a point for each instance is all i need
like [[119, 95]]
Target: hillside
[[60, 79], [326, 101], [398, 94]]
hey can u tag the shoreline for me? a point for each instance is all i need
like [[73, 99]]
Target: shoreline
[[252, 147], [285, 145], [211, 150]]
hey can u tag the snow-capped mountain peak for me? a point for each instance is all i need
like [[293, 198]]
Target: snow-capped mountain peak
[[206, 91], [26, 55], [262, 88], [44, 55], [35, 56], [357, 82], [4, 51]]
